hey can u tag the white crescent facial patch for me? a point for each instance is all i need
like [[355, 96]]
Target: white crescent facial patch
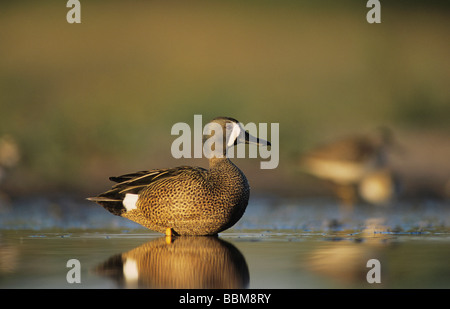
[[235, 130]]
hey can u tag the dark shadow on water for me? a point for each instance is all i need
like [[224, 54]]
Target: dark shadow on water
[[179, 262]]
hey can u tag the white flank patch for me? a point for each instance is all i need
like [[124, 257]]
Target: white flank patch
[[130, 201], [130, 270], [235, 131]]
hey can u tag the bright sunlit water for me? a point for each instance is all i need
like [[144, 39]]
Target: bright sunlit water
[[277, 244]]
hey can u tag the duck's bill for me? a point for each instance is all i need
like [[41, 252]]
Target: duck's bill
[[250, 139]]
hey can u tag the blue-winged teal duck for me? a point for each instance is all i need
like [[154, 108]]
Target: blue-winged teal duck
[[348, 161], [187, 200]]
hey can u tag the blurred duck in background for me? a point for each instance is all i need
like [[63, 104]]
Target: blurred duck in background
[[9, 155], [379, 187], [356, 166], [9, 158], [447, 190]]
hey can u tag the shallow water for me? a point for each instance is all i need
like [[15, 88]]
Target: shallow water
[[277, 244]]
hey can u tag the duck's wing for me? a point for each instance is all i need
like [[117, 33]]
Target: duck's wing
[[137, 181], [134, 183]]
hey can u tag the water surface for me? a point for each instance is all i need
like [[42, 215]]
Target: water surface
[[277, 244]]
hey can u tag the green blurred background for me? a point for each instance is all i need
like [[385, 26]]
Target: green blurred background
[[92, 100]]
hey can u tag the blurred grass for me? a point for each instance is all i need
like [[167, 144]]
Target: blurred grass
[[99, 98]]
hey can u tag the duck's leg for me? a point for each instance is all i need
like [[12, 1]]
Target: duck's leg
[[347, 196], [169, 234], [169, 231]]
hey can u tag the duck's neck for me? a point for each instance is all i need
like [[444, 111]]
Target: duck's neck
[[223, 167], [219, 162], [224, 176]]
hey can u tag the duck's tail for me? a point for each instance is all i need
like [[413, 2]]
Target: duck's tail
[[111, 201]]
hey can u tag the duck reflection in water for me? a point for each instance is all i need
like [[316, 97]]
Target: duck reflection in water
[[345, 261], [187, 262]]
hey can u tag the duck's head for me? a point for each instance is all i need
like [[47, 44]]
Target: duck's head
[[222, 133]]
